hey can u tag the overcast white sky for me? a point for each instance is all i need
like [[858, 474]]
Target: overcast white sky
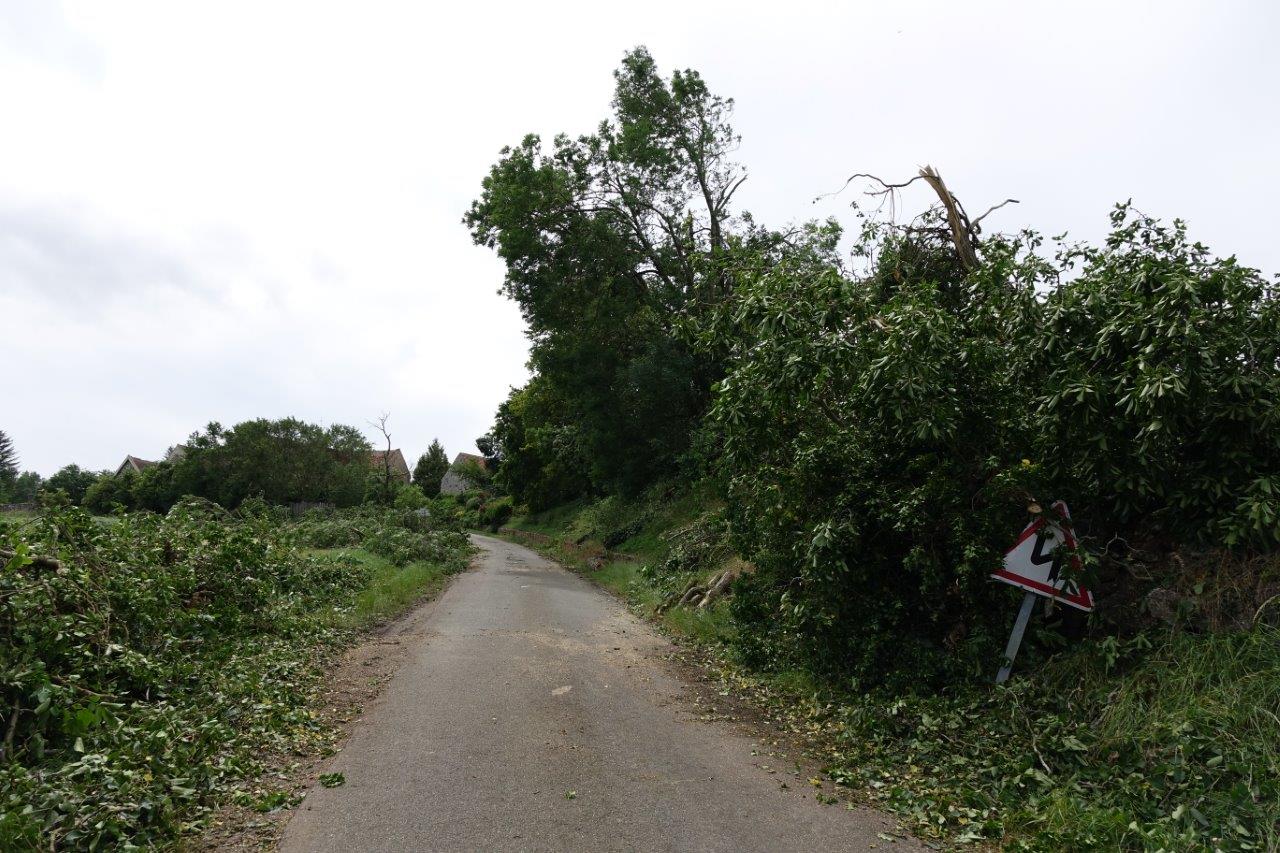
[[222, 211]]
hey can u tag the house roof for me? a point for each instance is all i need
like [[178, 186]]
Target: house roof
[[471, 457], [396, 459], [134, 462]]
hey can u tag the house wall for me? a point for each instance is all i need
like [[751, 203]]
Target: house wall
[[452, 483]]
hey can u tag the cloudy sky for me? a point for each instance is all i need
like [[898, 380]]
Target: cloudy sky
[[221, 211]]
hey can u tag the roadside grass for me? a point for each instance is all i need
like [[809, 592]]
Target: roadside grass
[[552, 522], [1168, 745], [391, 590], [1168, 742]]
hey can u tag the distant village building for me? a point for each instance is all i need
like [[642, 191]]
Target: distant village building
[[378, 460], [134, 465], [453, 483]]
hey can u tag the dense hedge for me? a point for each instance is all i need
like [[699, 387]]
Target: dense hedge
[[886, 435]]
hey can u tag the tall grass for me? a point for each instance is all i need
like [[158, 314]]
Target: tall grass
[[391, 589]]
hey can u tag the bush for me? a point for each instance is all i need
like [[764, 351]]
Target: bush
[[496, 513], [108, 493], [154, 663], [1158, 394], [410, 497]]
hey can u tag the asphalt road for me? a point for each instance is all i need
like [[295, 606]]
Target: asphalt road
[[533, 712]]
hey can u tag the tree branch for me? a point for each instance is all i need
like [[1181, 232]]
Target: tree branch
[[993, 209]]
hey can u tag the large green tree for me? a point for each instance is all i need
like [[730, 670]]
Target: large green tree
[[431, 467], [610, 241], [282, 461]]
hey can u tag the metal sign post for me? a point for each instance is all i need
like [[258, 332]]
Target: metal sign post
[[1015, 638], [1034, 564]]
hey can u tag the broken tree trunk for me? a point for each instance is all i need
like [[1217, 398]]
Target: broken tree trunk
[[961, 228]]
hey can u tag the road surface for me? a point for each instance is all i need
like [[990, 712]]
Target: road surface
[[533, 712]]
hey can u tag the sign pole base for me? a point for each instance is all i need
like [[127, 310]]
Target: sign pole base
[[1015, 638]]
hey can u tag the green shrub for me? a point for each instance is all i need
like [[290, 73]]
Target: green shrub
[[1157, 390], [152, 665], [410, 497], [497, 512]]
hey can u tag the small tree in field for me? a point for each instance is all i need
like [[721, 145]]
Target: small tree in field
[[431, 467]]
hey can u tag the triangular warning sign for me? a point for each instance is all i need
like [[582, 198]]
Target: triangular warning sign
[[1034, 563]]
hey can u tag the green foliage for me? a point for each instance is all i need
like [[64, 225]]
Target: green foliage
[[883, 435], [151, 662], [431, 467], [401, 535], [608, 240], [73, 480], [1116, 746], [496, 513], [544, 459], [409, 497], [332, 780], [109, 493], [872, 436], [1158, 400]]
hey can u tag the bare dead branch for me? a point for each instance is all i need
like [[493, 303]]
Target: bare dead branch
[[887, 187], [992, 209]]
